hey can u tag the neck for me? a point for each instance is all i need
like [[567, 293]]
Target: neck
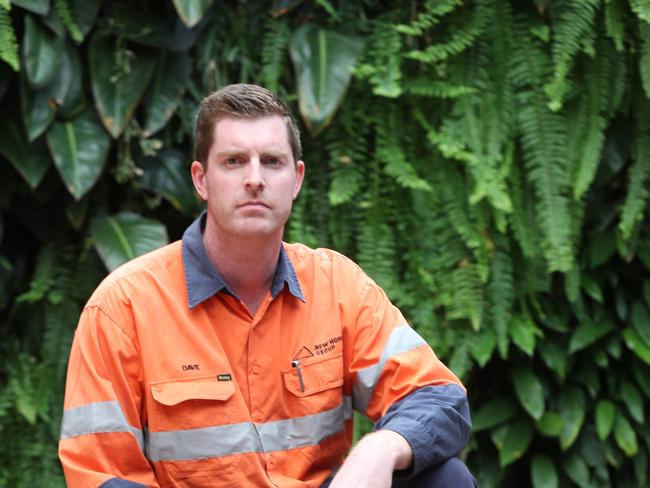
[[246, 264]]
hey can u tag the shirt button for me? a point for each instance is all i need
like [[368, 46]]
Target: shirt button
[[258, 416], [271, 459], [255, 369]]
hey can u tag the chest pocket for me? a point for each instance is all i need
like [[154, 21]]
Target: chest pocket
[[311, 377], [316, 387], [191, 403], [173, 392], [182, 440]]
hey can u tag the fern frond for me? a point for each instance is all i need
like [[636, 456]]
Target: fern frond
[[574, 23], [64, 12], [347, 154], [426, 87], [390, 151], [642, 9], [501, 291], [467, 299], [543, 139], [44, 277], [8, 42], [274, 52], [463, 36], [434, 10], [614, 25], [589, 124], [637, 193], [644, 58], [383, 58]]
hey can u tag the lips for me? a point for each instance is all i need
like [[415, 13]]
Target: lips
[[253, 204]]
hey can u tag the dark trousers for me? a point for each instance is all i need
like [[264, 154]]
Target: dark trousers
[[450, 474]]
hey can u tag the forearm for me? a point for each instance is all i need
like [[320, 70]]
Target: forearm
[[372, 461]]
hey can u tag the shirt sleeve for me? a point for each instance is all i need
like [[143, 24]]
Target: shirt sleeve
[[102, 435], [434, 420], [398, 382]]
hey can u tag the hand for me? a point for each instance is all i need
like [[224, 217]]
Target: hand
[[372, 461]]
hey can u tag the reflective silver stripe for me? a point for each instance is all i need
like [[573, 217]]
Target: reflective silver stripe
[[347, 408], [202, 443], [224, 440], [402, 339], [280, 435], [97, 418]]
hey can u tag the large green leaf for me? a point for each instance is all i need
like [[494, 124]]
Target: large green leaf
[[554, 356], [588, 332], [133, 21], [636, 345], [84, 14], [31, 161], [605, 414], [191, 11], [483, 345], [118, 82], [529, 390], [551, 424], [121, 237], [6, 75], [631, 396], [168, 84], [576, 468], [641, 321], [37, 108], [323, 62], [642, 376], [168, 175], [625, 436], [79, 148], [40, 50], [571, 407], [40, 7], [543, 472], [73, 101], [495, 412], [520, 433], [522, 331]]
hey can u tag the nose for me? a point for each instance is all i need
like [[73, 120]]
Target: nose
[[254, 177]]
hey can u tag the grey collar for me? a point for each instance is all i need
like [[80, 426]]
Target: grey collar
[[203, 281]]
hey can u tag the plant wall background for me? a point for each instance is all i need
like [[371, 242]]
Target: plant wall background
[[486, 161]]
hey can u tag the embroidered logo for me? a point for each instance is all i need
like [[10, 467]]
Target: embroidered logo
[[327, 346], [303, 353]]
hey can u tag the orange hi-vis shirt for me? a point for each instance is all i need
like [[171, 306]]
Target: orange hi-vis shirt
[[173, 383]]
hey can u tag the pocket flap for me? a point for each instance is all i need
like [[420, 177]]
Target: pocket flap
[[316, 376], [173, 392]]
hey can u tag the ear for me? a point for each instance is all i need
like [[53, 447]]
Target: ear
[[300, 176], [199, 179]]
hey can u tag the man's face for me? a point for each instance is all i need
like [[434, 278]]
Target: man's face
[[250, 179]]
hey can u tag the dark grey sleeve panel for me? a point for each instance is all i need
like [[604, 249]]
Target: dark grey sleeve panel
[[120, 483], [434, 420]]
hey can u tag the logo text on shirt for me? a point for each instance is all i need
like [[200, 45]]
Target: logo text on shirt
[[327, 346]]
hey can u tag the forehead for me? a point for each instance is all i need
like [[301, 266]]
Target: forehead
[[259, 134]]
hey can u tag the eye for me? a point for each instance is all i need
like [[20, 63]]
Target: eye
[[272, 161], [233, 161]]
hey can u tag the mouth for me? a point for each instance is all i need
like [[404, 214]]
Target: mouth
[[253, 204]]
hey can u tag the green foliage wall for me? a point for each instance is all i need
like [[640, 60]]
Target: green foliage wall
[[486, 161]]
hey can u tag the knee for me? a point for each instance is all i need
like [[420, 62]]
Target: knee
[[450, 473], [454, 472]]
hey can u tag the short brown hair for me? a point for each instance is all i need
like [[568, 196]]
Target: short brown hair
[[244, 102]]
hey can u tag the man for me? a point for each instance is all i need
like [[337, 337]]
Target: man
[[231, 358]]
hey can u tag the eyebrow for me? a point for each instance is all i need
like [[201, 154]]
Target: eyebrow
[[234, 151]]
